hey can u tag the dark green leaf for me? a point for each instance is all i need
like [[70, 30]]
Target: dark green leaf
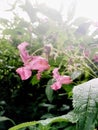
[[70, 117], [49, 91], [70, 128]]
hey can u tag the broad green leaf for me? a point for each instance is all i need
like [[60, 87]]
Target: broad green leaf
[[49, 91], [85, 103], [23, 125], [70, 117]]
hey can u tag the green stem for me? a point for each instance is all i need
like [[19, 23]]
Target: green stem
[[22, 125], [37, 51], [92, 63], [91, 70]]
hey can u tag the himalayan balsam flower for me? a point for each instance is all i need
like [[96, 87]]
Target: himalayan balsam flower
[[59, 80], [31, 63]]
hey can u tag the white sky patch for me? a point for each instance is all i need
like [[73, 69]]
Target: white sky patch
[[4, 6], [88, 8], [85, 8]]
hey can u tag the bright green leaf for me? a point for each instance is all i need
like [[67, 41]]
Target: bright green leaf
[[34, 80]]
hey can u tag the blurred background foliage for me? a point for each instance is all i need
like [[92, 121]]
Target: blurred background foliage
[[72, 46]]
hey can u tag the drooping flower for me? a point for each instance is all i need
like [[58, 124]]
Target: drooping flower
[[31, 63], [59, 80]]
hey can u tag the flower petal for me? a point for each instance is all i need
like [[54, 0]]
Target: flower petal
[[24, 73], [23, 52], [56, 74], [38, 63], [56, 86], [38, 75], [65, 80]]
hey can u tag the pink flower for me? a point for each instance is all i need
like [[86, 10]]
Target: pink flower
[[23, 52], [65, 79], [31, 63], [56, 86], [38, 63], [56, 74], [59, 80], [24, 73]]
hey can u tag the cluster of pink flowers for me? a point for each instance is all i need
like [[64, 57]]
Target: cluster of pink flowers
[[40, 64]]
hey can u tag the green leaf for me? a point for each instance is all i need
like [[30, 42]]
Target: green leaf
[[23, 125], [70, 117], [67, 87], [85, 103], [49, 91], [34, 80], [70, 128], [3, 118]]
